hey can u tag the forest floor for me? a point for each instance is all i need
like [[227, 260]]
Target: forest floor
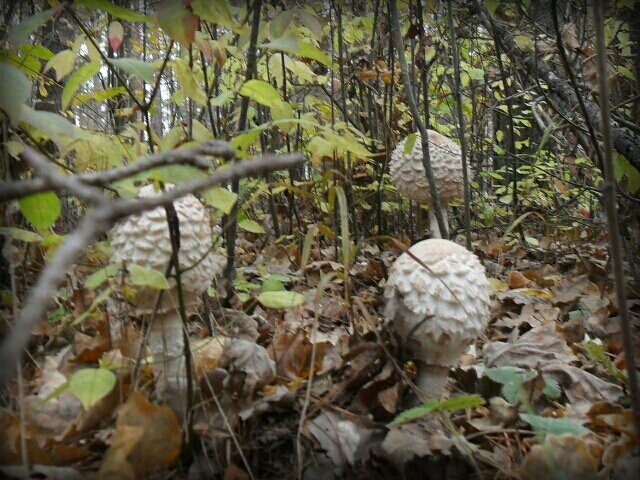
[[542, 390]]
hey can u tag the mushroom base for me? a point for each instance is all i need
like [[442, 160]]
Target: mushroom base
[[166, 342], [431, 379]]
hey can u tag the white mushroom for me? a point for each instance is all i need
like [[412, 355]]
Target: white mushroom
[[408, 173], [436, 311], [143, 239]]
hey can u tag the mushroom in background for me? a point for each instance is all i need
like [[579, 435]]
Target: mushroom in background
[[409, 177], [143, 239], [436, 311]]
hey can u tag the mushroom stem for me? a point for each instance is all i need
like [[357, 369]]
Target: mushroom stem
[[166, 342], [433, 221], [431, 379]]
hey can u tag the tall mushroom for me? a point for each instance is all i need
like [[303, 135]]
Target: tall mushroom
[[408, 174], [436, 311], [143, 239]]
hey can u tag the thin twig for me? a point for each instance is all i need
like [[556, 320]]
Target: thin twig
[[615, 242]]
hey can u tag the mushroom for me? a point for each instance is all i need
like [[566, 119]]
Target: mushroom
[[408, 173], [436, 311], [143, 239]]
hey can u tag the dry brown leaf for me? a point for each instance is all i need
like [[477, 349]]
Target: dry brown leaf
[[540, 345], [612, 417], [344, 441], [41, 448], [516, 279], [582, 388], [147, 438], [248, 364], [563, 456]]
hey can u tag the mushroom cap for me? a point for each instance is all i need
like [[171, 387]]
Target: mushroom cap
[[144, 239], [437, 312], [408, 174]]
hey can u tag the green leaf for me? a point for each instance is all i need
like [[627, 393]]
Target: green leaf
[[147, 277], [597, 353], [262, 92], [476, 73], [525, 42], [623, 169], [37, 50], [94, 305], [116, 11], [217, 11], [627, 73], [411, 141], [280, 300], [135, 67], [250, 226], [20, 234], [99, 277], [551, 387], [291, 44], [19, 33], [51, 124], [272, 284], [554, 426], [15, 89], [433, 405], [90, 385], [62, 62], [41, 209], [222, 99], [77, 79], [221, 198], [189, 84], [179, 23]]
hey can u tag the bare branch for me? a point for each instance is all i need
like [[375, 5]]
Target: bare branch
[[97, 223], [188, 156]]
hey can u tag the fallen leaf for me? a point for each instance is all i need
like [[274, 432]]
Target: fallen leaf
[[564, 456], [147, 438]]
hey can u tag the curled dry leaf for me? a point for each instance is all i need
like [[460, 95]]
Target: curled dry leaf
[[582, 388], [563, 456], [344, 441], [540, 345], [147, 438], [41, 449], [247, 358]]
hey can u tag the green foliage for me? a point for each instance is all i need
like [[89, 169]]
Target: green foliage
[[513, 380], [118, 12], [20, 33], [14, 92], [77, 79], [433, 405], [147, 277], [221, 198], [135, 67], [91, 385], [20, 234], [41, 209], [97, 278], [280, 299], [553, 426]]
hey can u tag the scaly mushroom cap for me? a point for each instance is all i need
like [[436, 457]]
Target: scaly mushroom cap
[[408, 174], [144, 239], [437, 312]]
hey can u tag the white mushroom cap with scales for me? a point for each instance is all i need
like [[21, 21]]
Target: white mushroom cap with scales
[[408, 174], [144, 239], [436, 311]]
